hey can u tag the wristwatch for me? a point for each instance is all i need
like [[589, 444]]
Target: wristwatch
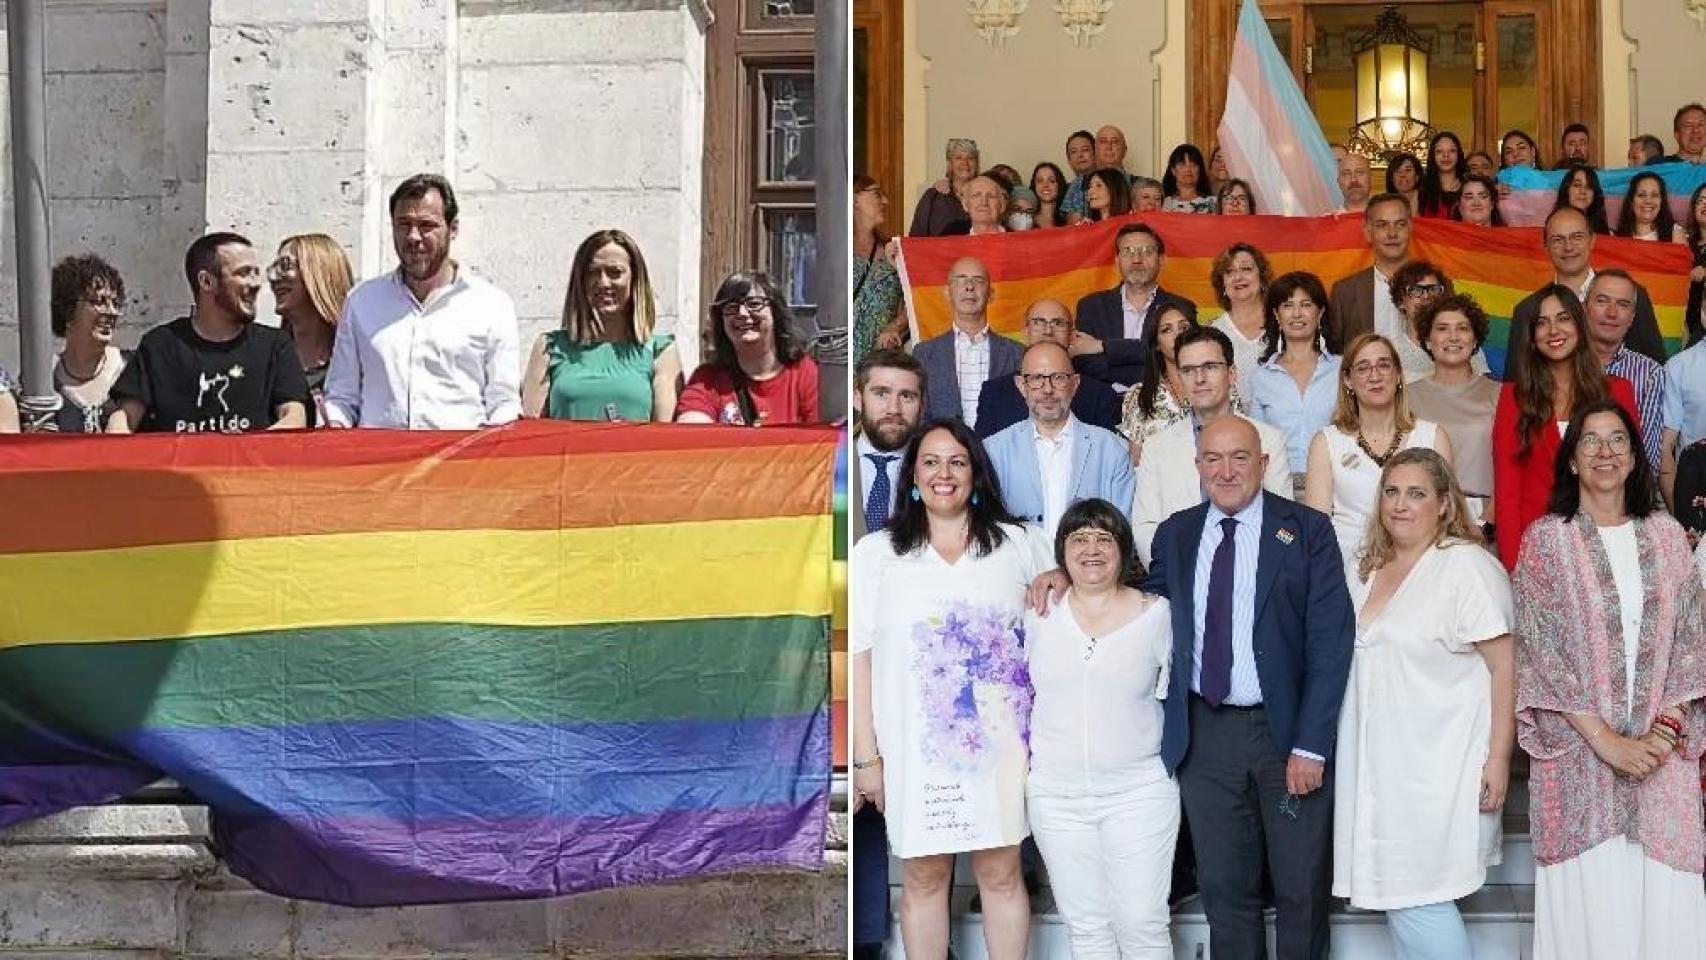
[[867, 764]]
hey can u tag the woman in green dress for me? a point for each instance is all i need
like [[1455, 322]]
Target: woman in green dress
[[607, 361]]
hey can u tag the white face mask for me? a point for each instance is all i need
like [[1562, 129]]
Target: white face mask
[[1020, 220]]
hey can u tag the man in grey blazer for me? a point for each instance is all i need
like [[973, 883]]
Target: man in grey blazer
[[1051, 460], [1362, 302], [959, 362]]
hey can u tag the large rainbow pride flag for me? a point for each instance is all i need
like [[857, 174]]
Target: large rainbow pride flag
[[429, 667], [1497, 265], [1535, 192]]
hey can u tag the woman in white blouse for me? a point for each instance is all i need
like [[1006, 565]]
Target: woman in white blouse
[[1104, 811], [941, 697], [1372, 423], [1241, 276], [1429, 715]]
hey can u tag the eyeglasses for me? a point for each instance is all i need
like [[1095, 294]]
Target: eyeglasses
[[1209, 368], [1036, 380], [1147, 250], [1615, 445], [1369, 367], [729, 309], [108, 302], [1426, 290], [284, 268], [1053, 323], [1090, 538]]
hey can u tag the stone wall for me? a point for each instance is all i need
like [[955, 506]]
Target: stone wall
[[139, 881], [553, 118]]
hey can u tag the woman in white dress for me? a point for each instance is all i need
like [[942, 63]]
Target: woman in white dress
[[1427, 724], [941, 692], [1241, 277], [1372, 423], [1105, 812], [1611, 668]]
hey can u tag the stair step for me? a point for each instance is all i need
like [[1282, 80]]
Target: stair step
[[1500, 918]]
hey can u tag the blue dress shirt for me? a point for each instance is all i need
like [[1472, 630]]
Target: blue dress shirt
[[1276, 401]]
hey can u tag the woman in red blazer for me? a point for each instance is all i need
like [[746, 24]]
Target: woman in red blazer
[[1560, 375]]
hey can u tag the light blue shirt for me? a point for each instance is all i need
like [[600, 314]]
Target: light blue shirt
[[1276, 401], [1685, 395], [1246, 688]]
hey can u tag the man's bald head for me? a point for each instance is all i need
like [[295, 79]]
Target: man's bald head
[[1047, 382], [1230, 462], [969, 292], [1110, 147], [1048, 320]]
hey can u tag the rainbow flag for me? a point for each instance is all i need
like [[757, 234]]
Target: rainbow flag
[[1498, 266], [429, 667], [1268, 131], [1535, 192]]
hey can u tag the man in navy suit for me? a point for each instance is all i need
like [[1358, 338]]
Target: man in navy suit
[[1116, 328], [958, 363], [1002, 403], [1051, 460], [1262, 635]]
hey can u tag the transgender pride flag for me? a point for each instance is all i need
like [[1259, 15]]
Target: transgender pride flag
[[1268, 133]]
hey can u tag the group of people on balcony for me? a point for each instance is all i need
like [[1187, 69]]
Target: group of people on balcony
[[430, 345]]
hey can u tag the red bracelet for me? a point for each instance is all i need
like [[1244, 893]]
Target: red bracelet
[[1670, 723]]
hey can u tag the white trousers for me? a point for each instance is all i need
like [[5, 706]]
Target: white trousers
[[1110, 862]]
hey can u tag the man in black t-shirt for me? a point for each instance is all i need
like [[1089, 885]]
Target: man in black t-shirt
[[215, 370]]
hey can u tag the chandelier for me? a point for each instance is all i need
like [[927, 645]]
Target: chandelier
[[1391, 90]]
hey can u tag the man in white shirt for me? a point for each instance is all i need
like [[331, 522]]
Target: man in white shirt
[[1362, 302], [429, 346], [1167, 479], [1569, 245], [1051, 460], [958, 362]]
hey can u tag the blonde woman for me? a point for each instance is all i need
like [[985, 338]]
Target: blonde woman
[[1371, 423], [607, 361], [1429, 715], [310, 279]]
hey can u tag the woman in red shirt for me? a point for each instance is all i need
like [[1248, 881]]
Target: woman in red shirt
[[758, 372], [1560, 376]]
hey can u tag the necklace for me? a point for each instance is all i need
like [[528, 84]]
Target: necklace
[[1381, 458], [79, 378]]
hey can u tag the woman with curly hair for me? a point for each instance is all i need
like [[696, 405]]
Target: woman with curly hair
[[86, 302]]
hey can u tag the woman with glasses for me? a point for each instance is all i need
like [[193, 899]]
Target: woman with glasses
[[1427, 723], [1558, 376], [1611, 668], [1296, 385], [310, 280], [1371, 424], [878, 322], [607, 361], [1103, 808], [940, 689], [758, 371], [86, 302], [1235, 199]]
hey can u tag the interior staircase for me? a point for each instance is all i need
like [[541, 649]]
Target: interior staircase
[[1500, 915]]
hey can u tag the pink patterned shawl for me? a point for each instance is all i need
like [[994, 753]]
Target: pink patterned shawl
[[1569, 631]]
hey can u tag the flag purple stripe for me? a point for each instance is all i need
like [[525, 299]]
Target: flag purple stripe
[[372, 863]]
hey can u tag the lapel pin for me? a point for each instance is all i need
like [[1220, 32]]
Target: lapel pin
[[1284, 536]]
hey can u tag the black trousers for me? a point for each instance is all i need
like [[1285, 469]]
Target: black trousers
[[1232, 781], [870, 878]]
